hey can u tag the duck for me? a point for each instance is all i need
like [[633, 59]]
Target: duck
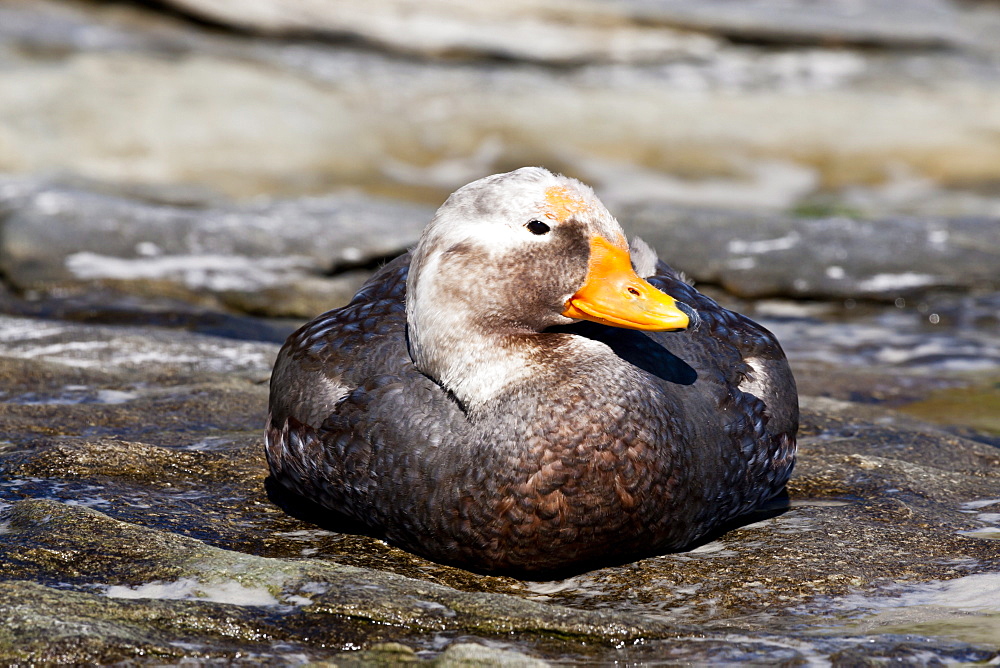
[[525, 392]]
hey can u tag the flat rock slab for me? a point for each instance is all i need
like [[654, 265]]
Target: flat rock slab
[[298, 258], [274, 258], [134, 522], [594, 31], [833, 257]]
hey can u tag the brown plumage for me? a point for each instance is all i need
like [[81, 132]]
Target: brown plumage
[[460, 408]]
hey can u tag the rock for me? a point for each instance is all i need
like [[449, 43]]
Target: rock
[[276, 259], [886, 23], [321, 603], [555, 31], [149, 102], [44, 624], [758, 256], [132, 350], [134, 522], [468, 655], [316, 234], [272, 258], [975, 407], [928, 334]]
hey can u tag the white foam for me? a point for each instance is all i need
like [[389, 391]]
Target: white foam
[[938, 237], [24, 329], [59, 349], [808, 652], [115, 396], [985, 533], [315, 587], [88, 502], [208, 443], [583, 585], [972, 592], [230, 591], [305, 534], [981, 503], [300, 601], [835, 272]]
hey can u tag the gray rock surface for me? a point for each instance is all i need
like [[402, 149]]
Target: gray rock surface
[[163, 180], [831, 257], [515, 29], [294, 258], [274, 258]]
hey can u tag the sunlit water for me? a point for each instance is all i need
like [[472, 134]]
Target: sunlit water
[[948, 332]]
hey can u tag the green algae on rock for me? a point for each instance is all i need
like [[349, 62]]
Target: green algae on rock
[[976, 408]]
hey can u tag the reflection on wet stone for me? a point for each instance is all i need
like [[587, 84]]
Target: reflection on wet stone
[[150, 271]]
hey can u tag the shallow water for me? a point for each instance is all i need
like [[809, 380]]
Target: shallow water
[[966, 609], [943, 332]]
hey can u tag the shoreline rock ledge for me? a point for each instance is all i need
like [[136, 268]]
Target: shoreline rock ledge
[[300, 257]]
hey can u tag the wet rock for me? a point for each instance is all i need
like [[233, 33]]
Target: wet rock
[[167, 307], [873, 22], [323, 602], [757, 256], [977, 407], [136, 352], [271, 258], [461, 655], [42, 624], [134, 522]]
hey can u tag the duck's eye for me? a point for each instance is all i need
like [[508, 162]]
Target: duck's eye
[[537, 227]]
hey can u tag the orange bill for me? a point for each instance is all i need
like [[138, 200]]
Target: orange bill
[[613, 294]]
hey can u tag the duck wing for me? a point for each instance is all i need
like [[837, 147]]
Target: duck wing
[[754, 387], [352, 419]]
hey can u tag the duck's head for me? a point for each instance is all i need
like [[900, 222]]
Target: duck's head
[[516, 253]]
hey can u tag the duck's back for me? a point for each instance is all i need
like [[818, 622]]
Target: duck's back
[[355, 427]]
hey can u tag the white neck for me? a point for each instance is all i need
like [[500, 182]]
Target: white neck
[[473, 365], [474, 360]]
